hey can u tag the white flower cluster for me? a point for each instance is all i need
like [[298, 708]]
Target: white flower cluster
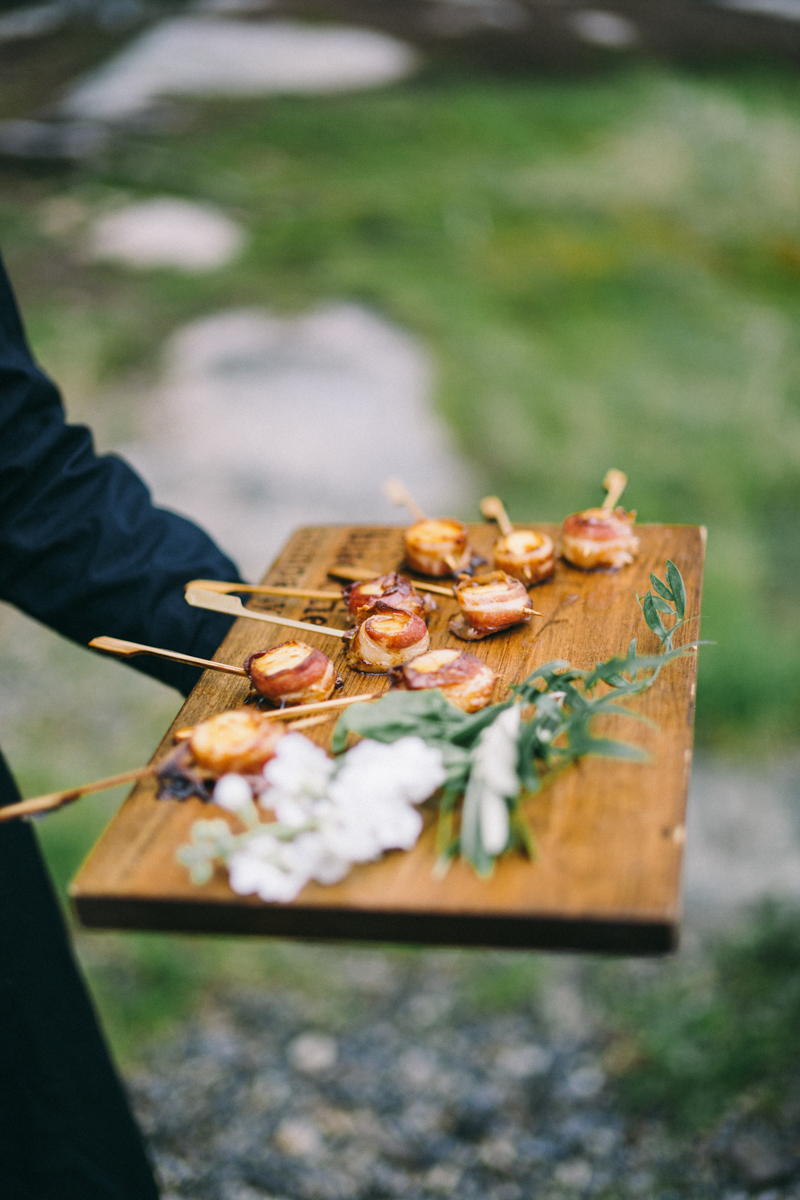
[[329, 815]]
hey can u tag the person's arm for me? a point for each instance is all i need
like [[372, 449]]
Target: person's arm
[[82, 548]]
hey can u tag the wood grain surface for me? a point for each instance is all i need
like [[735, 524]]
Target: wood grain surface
[[610, 834]]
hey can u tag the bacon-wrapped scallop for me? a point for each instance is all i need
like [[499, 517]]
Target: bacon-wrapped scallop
[[292, 673], [240, 740], [489, 603], [391, 591], [388, 638], [438, 547], [461, 677], [599, 537], [525, 555]]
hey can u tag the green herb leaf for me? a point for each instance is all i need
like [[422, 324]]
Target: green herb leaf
[[426, 714], [652, 617], [660, 587], [675, 581]]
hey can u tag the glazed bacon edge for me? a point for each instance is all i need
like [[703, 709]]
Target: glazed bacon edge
[[305, 674], [396, 593], [407, 643], [459, 670], [414, 631], [590, 525]]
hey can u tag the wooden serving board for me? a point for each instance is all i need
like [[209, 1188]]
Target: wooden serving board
[[610, 834]]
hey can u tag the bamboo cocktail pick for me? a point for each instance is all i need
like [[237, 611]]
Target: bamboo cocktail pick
[[128, 649], [53, 800], [42, 804], [216, 585], [493, 509], [615, 483], [200, 598], [356, 574], [395, 490]]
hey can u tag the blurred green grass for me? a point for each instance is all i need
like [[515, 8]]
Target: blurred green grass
[[686, 1045], [606, 271]]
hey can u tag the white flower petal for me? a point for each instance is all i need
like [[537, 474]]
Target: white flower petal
[[299, 767], [233, 793], [254, 868], [399, 827], [288, 809], [494, 823], [496, 753], [417, 768]]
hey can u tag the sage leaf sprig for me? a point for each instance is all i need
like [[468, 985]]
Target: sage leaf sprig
[[496, 758], [667, 598]]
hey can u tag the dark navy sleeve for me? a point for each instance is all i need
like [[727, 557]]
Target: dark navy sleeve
[[82, 548]]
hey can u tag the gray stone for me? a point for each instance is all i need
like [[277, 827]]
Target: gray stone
[[312, 1053], [264, 423], [759, 1156], [166, 232], [606, 29], [200, 55]]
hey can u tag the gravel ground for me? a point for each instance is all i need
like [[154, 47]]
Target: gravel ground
[[398, 1085]]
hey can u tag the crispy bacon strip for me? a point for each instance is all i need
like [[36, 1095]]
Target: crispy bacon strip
[[392, 591], [438, 547], [292, 673], [525, 555], [461, 677], [386, 639], [598, 537], [489, 603], [240, 740]]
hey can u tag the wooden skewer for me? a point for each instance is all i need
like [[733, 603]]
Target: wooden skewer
[[493, 509], [395, 490], [328, 707], [53, 800], [199, 598], [615, 483], [128, 649], [215, 585], [309, 722], [40, 804], [356, 574], [289, 713]]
